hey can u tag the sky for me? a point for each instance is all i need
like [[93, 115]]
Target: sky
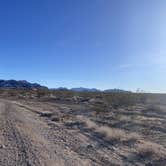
[[90, 43]]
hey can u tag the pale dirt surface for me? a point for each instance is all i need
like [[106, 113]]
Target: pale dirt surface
[[28, 139], [51, 134]]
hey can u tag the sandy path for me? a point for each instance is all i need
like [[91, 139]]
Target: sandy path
[[26, 140]]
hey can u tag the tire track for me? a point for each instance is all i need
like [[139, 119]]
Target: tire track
[[17, 144]]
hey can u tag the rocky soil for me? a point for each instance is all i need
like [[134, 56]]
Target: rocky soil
[[55, 134]]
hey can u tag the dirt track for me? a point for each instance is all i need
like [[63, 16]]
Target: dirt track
[[28, 136], [29, 139], [20, 140]]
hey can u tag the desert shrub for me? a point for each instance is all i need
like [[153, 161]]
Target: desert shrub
[[99, 108], [151, 149], [115, 99], [108, 132], [12, 93], [124, 99], [42, 92], [62, 93], [154, 108]]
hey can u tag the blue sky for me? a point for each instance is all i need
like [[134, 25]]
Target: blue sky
[[90, 43]]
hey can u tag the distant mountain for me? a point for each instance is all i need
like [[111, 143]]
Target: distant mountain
[[22, 84], [116, 91], [60, 88], [81, 89]]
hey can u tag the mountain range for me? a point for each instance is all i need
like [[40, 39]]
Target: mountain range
[[22, 84], [82, 89]]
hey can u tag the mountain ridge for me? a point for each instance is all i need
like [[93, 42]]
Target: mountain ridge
[[23, 84], [19, 84], [82, 89]]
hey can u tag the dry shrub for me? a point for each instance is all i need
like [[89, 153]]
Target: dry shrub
[[111, 133], [150, 148], [108, 132], [154, 108], [124, 99], [62, 118], [90, 124]]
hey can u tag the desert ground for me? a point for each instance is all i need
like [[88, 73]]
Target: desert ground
[[82, 131]]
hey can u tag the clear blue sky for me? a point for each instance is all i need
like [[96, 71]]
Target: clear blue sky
[[89, 43]]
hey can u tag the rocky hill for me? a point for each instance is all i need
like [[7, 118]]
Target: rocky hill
[[22, 84]]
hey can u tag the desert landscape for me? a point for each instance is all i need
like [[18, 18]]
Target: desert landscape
[[82, 83], [61, 127]]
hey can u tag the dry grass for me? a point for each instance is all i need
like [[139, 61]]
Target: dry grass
[[150, 148], [108, 132], [114, 99]]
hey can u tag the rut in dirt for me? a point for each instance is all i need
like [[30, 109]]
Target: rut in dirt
[[17, 148]]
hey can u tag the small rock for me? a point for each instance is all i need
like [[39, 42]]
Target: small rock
[[2, 146], [89, 146], [46, 114]]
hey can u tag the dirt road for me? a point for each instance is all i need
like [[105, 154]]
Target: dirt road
[[27, 139], [41, 134]]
